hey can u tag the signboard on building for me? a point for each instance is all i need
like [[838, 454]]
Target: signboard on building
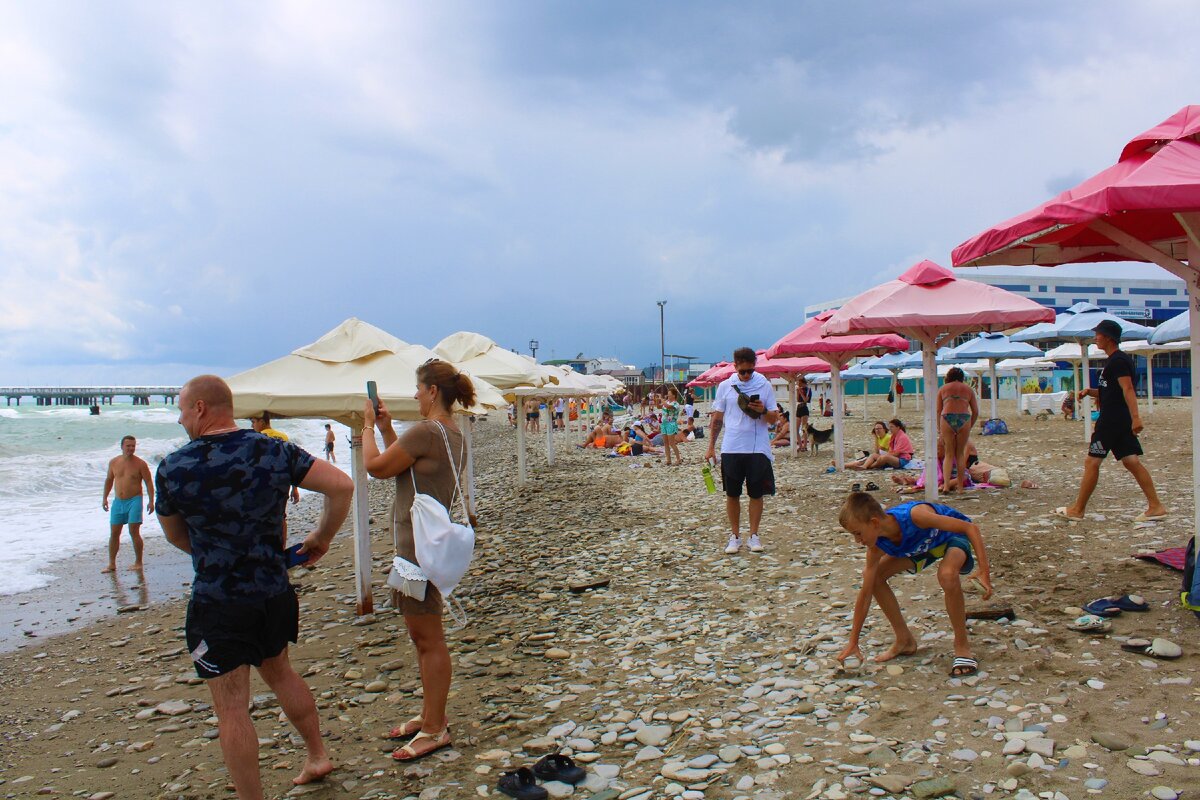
[[1129, 313]]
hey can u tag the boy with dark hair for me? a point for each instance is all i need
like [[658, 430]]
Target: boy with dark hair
[[908, 538]]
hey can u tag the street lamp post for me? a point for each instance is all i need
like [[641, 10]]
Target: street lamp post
[[533, 346], [662, 341]]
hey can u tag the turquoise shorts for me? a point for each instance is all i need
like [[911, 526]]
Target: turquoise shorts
[[125, 512]]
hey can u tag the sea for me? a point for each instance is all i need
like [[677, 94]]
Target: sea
[[53, 460]]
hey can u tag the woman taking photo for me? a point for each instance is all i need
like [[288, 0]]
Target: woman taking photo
[[421, 458]]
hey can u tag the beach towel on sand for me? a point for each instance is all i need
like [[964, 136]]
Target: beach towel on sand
[[1174, 557]]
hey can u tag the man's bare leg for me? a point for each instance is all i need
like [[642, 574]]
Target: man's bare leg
[[239, 742], [756, 512], [114, 545], [1087, 485], [1154, 506], [733, 510], [297, 702], [905, 643], [135, 533]]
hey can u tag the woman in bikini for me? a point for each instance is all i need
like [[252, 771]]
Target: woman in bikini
[[803, 398], [957, 410]]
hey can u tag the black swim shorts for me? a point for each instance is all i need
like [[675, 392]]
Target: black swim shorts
[[223, 636], [753, 469], [1121, 444]]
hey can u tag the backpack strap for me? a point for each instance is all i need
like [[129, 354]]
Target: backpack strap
[[454, 467]]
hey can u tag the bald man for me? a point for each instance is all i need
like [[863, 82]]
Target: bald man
[[221, 498]]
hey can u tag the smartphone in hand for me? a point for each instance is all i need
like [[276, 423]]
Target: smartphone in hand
[[373, 394], [294, 557]]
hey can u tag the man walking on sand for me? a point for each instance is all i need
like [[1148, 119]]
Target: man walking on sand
[[126, 473], [221, 498], [1116, 430], [740, 407]]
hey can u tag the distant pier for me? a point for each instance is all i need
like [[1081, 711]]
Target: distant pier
[[88, 396]]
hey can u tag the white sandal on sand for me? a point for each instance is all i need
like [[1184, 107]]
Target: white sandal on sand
[[409, 753]]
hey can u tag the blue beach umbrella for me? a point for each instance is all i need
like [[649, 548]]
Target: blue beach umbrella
[[1173, 330], [994, 346]]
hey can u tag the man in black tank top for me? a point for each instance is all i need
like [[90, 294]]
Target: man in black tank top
[[1116, 430]]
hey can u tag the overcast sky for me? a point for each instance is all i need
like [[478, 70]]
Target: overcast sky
[[190, 186]]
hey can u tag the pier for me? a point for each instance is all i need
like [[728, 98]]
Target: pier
[[89, 396]]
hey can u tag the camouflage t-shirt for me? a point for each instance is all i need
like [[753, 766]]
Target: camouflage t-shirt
[[232, 489]]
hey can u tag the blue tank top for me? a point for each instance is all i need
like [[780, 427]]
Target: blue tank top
[[915, 540]]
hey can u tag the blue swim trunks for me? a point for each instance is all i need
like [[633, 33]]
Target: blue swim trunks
[[125, 512], [923, 560]]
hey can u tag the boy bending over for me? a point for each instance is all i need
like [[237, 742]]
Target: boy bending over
[[910, 537]]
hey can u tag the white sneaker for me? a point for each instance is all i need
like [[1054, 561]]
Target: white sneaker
[[734, 545], [755, 544]]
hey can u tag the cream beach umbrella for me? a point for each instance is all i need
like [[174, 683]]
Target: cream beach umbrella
[[480, 356], [328, 380], [1148, 351]]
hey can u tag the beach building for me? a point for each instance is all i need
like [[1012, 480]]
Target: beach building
[[1146, 301]]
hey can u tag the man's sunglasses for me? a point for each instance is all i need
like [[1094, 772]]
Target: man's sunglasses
[[745, 372]]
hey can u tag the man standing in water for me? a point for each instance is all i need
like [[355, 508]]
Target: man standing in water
[[126, 473], [329, 442], [740, 408], [221, 498], [1116, 430]]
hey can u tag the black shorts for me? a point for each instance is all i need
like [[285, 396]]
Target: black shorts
[[329, 447], [1121, 444], [531, 417], [558, 414], [223, 636], [802, 411], [753, 469]]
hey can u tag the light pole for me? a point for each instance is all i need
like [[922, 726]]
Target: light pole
[[662, 342], [533, 346]]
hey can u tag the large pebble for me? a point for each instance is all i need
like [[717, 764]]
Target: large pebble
[[653, 734]]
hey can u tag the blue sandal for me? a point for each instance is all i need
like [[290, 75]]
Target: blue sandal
[[1103, 608]]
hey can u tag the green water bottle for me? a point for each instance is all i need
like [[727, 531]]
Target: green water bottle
[[709, 483]]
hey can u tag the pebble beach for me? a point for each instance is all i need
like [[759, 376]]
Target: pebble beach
[[606, 623]]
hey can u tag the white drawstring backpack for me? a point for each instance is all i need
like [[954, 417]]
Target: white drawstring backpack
[[444, 547]]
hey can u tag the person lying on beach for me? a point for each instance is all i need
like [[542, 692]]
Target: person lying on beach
[[912, 483], [602, 437], [908, 538], [880, 439], [899, 451]]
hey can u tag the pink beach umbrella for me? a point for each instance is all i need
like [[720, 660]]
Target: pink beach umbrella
[[928, 303], [708, 377], [809, 340], [790, 368], [1146, 207]]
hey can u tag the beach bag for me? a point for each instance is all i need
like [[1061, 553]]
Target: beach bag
[[995, 427], [1190, 596], [444, 547], [743, 402], [999, 477], [407, 578]]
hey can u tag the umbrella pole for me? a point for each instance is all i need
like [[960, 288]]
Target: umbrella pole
[[468, 434], [839, 452], [1193, 254], [929, 379], [895, 394], [521, 423], [549, 432], [1084, 381], [995, 388], [1018, 391], [362, 530], [1150, 382], [866, 386], [793, 423]]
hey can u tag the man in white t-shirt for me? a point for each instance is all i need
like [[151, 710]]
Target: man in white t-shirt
[[740, 408], [560, 405]]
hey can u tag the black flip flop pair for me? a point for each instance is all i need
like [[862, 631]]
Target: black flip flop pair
[[522, 784], [858, 487]]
